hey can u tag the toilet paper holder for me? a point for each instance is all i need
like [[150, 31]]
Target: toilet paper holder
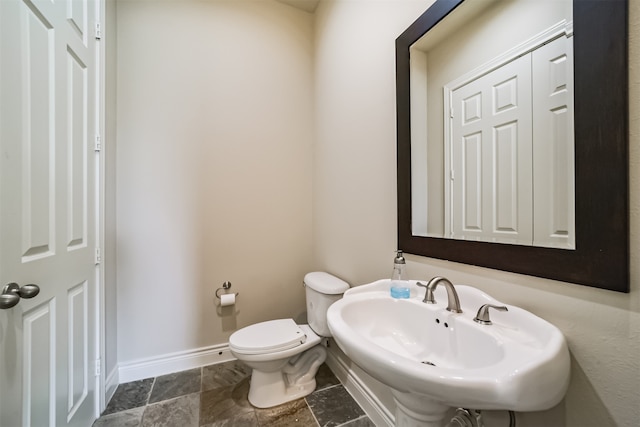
[[225, 286]]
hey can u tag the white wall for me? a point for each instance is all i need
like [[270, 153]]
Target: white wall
[[109, 151], [213, 169], [355, 212]]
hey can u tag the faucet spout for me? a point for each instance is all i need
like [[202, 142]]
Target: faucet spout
[[453, 304]]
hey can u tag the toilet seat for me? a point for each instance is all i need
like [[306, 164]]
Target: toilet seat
[[268, 337]]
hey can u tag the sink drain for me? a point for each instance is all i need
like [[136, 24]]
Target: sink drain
[[426, 362]]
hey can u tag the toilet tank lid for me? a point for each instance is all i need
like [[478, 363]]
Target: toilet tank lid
[[325, 283]]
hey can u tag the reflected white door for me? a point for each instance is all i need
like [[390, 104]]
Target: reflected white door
[[553, 143], [48, 81], [491, 148]]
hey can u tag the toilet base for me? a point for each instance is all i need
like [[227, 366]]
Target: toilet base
[[296, 380], [268, 389]]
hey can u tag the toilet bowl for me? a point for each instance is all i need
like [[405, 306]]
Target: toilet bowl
[[283, 355]]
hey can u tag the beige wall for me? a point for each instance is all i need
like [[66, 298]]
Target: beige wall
[[109, 238], [355, 212], [218, 179], [213, 169]]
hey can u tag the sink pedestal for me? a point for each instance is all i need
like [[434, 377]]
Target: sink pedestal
[[414, 410]]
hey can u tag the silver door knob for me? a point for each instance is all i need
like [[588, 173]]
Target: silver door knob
[[12, 293]]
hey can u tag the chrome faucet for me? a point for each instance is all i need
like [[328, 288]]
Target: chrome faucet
[[453, 304]]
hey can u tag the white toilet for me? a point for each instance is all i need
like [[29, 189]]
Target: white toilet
[[284, 356]]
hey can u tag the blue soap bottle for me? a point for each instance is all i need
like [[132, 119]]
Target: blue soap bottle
[[399, 278]]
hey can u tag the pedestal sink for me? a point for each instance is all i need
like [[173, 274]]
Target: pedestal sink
[[433, 359]]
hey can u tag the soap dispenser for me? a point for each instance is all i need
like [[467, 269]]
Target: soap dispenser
[[399, 278]]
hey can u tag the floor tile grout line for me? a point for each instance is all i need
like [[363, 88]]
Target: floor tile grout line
[[327, 387], [346, 424], [313, 414], [153, 384]]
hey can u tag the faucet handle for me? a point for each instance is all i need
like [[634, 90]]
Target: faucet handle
[[483, 313], [428, 294]]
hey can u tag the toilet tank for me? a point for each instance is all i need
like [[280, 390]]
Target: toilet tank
[[322, 290]]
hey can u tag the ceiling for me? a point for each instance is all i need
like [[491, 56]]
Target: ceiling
[[306, 5]]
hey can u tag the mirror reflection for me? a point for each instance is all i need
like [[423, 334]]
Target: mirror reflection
[[492, 125]]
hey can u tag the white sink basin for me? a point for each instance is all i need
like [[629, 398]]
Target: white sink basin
[[519, 363]]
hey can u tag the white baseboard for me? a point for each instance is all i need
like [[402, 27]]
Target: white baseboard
[[111, 383], [361, 393], [173, 362]]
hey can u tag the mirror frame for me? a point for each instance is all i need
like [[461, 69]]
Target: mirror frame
[[601, 257]]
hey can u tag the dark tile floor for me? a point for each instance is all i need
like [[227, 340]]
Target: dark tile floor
[[216, 396]]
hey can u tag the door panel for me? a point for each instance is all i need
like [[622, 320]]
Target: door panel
[[39, 358], [38, 134], [506, 179], [471, 164], [78, 362], [77, 146]]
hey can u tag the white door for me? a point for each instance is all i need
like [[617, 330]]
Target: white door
[[490, 193], [553, 145], [48, 116]]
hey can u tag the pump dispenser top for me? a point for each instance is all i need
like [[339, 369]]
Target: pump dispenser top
[[400, 278]]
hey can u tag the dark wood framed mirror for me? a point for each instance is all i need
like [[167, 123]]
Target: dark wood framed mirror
[[601, 255]]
